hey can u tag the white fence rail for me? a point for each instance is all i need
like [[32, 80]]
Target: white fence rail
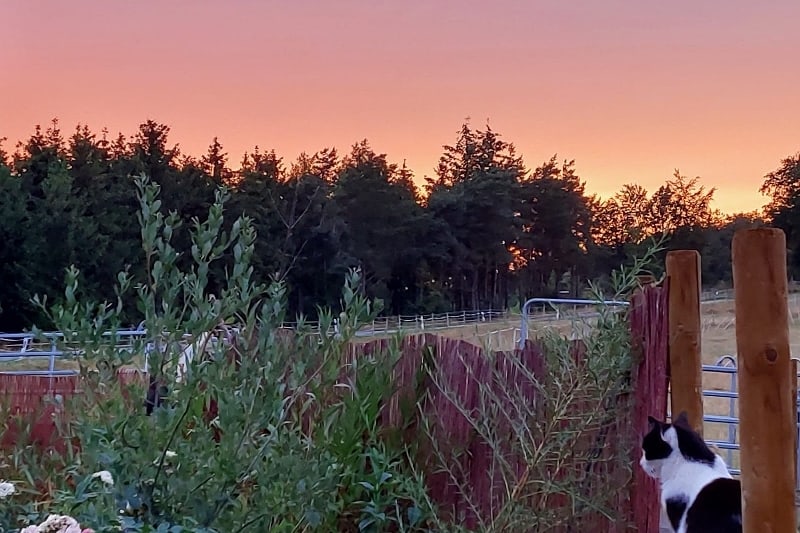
[[23, 348], [388, 325]]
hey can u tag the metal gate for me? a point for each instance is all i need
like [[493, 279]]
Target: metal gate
[[721, 418], [556, 304]]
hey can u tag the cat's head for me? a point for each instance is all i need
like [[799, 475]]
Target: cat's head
[[665, 442]]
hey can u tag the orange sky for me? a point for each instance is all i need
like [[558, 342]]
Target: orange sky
[[629, 89]]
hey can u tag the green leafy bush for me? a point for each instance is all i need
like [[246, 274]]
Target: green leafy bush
[[271, 430], [284, 430]]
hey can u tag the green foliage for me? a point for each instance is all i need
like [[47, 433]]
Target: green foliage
[[474, 203], [557, 220], [286, 439], [380, 215], [279, 430], [783, 187], [486, 230]]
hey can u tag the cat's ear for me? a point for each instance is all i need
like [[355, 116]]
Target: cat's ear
[[683, 419], [652, 422]]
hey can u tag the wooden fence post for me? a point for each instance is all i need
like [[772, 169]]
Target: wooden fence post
[[646, 279], [794, 410], [686, 372], [766, 409]]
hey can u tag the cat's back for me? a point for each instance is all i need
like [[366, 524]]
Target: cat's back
[[717, 508], [688, 478]]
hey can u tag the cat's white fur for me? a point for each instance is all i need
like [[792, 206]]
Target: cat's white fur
[[681, 478]]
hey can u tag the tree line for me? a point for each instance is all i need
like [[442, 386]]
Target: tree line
[[485, 231]]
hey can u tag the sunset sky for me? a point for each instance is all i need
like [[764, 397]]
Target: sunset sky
[[629, 89]]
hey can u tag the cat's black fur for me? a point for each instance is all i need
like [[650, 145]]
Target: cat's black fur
[[717, 508], [697, 492], [692, 445]]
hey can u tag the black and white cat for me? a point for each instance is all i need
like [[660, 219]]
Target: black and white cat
[[697, 491]]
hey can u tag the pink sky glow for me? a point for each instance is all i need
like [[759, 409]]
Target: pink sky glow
[[631, 90]]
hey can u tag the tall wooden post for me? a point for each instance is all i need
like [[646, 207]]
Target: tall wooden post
[[766, 408], [794, 410], [686, 370]]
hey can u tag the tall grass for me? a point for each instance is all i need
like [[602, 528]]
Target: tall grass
[[550, 426]]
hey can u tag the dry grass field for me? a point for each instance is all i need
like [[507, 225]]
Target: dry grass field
[[718, 340]]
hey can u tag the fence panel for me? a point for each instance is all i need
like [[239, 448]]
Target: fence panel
[[721, 418], [23, 348]]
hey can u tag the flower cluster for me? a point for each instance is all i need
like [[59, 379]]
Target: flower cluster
[[105, 476], [57, 524], [6, 489]]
